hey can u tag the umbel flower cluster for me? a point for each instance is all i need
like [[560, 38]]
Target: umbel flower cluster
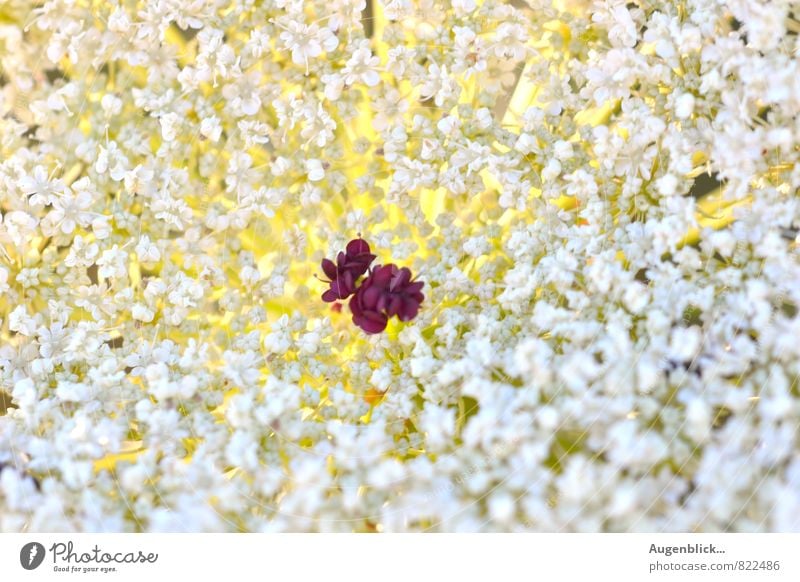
[[387, 291], [600, 196]]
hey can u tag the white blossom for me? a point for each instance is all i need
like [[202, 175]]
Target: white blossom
[[599, 197]]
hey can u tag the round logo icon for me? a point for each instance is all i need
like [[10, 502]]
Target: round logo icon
[[31, 555]]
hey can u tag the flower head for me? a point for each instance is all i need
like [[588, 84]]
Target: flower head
[[386, 292], [344, 273]]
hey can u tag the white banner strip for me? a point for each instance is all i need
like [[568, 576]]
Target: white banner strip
[[406, 557]]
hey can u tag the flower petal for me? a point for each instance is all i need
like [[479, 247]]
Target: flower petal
[[329, 268], [382, 275], [330, 296], [415, 287], [357, 247], [400, 279], [409, 310], [371, 322], [395, 305], [370, 297]]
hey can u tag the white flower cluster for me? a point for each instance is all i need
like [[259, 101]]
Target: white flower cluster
[[601, 198]]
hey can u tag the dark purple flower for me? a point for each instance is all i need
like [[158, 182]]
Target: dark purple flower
[[387, 291], [344, 273]]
